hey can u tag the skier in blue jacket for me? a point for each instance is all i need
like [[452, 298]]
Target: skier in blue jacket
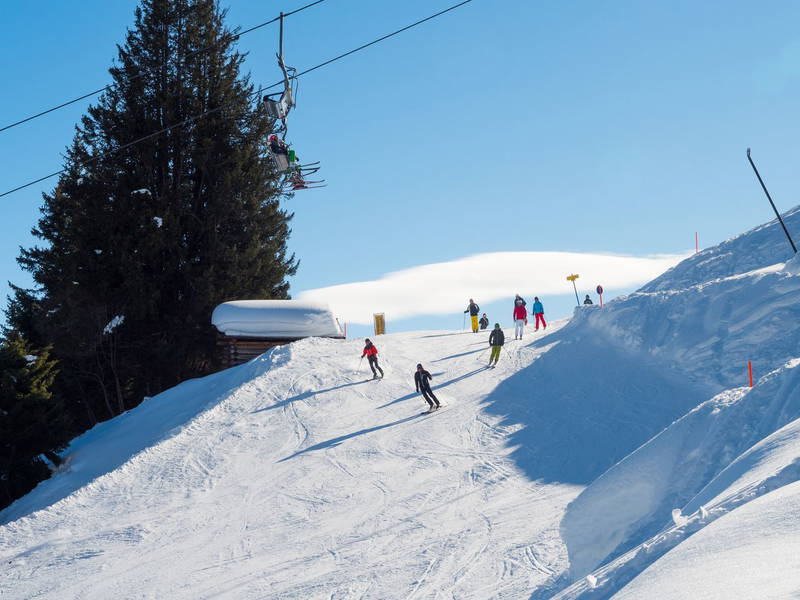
[[538, 313]]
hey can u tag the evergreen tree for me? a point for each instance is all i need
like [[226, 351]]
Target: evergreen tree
[[142, 241], [33, 424]]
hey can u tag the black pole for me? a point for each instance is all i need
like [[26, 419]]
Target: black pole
[[777, 214], [575, 287], [280, 38]]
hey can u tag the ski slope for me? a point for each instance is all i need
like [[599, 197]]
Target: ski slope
[[296, 477], [617, 455]]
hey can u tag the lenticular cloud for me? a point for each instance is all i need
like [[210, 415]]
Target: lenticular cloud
[[439, 287]]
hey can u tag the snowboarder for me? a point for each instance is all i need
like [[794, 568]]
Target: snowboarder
[[538, 313], [496, 341], [422, 382], [588, 300], [473, 310], [484, 322], [520, 317], [371, 352]]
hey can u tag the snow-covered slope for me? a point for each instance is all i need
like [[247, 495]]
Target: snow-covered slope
[[760, 247], [737, 446], [294, 477], [753, 552], [595, 460]]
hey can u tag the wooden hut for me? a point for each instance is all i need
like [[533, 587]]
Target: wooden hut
[[248, 328]]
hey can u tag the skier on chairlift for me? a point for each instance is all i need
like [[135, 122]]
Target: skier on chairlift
[[279, 151], [278, 106]]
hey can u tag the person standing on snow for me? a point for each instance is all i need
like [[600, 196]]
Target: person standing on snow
[[473, 310], [484, 322], [422, 382], [496, 340], [520, 317], [371, 352], [588, 300], [538, 313]]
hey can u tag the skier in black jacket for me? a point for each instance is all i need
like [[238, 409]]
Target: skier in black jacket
[[496, 340], [422, 382], [473, 310]]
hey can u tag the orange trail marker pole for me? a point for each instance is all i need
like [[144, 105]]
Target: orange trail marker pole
[[750, 372]]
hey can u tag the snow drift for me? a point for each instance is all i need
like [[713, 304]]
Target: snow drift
[[711, 461]]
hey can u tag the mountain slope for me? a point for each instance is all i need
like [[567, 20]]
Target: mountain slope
[[588, 461], [720, 455], [299, 478]]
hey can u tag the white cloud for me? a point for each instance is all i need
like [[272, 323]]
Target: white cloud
[[445, 287]]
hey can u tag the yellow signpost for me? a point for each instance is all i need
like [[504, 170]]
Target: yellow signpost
[[380, 323], [572, 278]]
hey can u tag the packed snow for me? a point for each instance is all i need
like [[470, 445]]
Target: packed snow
[[617, 455], [275, 319], [295, 476]]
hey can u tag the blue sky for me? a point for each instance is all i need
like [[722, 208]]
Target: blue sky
[[514, 126]]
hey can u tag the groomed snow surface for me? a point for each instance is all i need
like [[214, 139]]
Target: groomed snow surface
[[295, 476], [619, 455]]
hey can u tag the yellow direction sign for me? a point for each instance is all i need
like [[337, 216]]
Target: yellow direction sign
[[572, 278]]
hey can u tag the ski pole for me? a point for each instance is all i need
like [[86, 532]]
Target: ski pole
[[359, 365], [464, 321]]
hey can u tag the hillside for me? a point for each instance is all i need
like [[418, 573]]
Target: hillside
[[293, 477], [601, 458]]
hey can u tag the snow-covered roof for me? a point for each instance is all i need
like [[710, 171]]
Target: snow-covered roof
[[275, 319]]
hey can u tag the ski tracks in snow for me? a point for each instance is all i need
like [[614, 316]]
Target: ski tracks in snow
[[314, 483]]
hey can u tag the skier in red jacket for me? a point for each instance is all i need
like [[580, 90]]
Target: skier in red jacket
[[371, 352], [520, 317]]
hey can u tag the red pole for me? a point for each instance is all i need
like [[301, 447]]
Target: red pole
[[750, 371], [696, 243]]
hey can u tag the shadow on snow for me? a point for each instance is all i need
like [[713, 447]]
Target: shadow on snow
[[584, 405], [434, 387], [339, 439], [305, 395]]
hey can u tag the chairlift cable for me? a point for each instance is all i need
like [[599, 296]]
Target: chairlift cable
[[231, 36], [259, 91], [327, 62]]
